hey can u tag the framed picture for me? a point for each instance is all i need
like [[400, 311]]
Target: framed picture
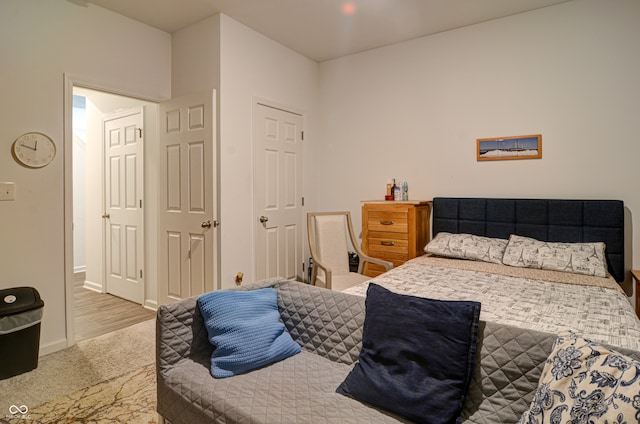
[[508, 148]]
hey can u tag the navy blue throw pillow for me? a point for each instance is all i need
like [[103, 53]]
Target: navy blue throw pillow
[[417, 356]]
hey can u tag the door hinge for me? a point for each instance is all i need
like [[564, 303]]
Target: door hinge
[[140, 132], [140, 203], [303, 201], [140, 273], [302, 135]]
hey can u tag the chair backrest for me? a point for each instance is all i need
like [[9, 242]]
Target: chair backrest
[[331, 241]]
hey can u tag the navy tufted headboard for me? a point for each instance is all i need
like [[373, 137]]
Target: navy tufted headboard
[[543, 219]]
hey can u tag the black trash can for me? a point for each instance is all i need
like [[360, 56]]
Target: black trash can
[[20, 317]]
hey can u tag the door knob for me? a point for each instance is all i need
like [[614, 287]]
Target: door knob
[[106, 215], [263, 219]]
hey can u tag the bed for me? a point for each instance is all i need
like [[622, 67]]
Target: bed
[[546, 300]]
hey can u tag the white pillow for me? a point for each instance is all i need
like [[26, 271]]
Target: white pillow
[[467, 246], [578, 258]]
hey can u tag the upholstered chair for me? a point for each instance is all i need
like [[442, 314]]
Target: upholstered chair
[[328, 232]]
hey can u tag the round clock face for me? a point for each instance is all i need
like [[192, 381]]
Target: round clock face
[[34, 150]]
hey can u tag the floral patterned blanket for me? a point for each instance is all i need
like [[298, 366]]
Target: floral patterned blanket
[[542, 300]]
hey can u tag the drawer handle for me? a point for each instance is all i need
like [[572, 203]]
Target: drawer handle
[[386, 222], [387, 243]]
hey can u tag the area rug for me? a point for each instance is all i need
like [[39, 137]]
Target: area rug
[[92, 378], [130, 398]]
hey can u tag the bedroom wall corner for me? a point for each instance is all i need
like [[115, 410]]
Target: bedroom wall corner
[[195, 57], [415, 109], [253, 66]]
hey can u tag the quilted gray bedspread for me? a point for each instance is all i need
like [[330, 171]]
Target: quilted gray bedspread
[[301, 389], [600, 311]]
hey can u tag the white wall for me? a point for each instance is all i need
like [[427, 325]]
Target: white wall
[[414, 110], [252, 65], [195, 59], [40, 41]]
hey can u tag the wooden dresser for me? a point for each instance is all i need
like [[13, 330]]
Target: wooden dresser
[[395, 231]]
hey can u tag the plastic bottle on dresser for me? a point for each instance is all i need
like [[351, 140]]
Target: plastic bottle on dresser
[[397, 191]]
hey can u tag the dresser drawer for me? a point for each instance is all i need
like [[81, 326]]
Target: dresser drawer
[[373, 270], [386, 241], [397, 259], [388, 221]]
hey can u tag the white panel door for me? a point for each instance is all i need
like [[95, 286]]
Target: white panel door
[[187, 233], [278, 197], [123, 217]]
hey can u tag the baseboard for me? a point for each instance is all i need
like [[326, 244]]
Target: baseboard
[[90, 285], [48, 348], [151, 305]]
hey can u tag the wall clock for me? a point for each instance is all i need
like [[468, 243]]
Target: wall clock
[[33, 150]]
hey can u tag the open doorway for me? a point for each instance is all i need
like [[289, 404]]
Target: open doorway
[[96, 308]]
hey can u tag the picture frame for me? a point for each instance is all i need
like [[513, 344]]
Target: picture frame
[[509, 148]]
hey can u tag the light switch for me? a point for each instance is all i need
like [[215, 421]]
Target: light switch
[[7, 191]]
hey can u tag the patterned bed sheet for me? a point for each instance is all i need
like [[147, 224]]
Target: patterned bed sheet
[[548, 301]]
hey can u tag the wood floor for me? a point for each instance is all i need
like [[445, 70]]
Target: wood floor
[[100, 313]]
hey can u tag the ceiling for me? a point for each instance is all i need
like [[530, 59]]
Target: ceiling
[[326, 29]]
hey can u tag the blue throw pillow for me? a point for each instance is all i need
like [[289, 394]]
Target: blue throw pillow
[[417, 356], [245, 330]]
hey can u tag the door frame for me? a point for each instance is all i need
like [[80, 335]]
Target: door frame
[[255, 103], [70, 81]]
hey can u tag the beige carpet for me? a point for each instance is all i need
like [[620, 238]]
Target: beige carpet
[[130, 398], [109, 379]]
